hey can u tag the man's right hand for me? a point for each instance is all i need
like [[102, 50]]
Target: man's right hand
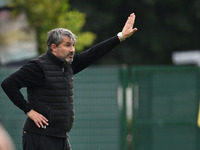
[[38, 118]]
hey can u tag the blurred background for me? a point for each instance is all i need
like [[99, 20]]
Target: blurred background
[[142, 95]]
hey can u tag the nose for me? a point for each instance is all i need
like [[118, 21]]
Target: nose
[[72, 49]]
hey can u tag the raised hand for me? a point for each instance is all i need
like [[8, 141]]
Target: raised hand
[[128, 28]]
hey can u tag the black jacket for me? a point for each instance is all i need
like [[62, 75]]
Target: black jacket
[[31, 75], [54, 99]]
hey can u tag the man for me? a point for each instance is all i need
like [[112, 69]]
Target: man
[[49, 83], [6, 142]]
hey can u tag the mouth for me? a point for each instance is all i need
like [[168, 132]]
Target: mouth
[[71, 56]]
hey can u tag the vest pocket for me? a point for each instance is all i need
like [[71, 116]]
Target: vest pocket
[[45, 111]]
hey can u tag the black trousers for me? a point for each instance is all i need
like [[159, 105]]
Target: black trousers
[[32, 141]]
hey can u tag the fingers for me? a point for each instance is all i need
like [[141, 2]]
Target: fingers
[[134, 30], [132, 16], [128, 28], [41, 121], [131, 19], [38, 118]]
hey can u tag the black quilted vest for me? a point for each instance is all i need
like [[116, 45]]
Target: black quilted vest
[[55, 99]]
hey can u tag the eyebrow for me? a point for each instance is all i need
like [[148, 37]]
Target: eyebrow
[[68, 42], [71, 42]]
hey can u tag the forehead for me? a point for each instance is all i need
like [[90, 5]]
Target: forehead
[[67, 39]]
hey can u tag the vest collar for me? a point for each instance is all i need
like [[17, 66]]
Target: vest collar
[[53, 58]]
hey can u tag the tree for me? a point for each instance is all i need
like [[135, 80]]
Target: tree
[[44, 15], [163, 27]]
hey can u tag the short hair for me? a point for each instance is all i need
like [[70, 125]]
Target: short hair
[[55, 36]]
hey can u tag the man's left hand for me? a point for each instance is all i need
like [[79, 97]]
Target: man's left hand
[[128, 29]]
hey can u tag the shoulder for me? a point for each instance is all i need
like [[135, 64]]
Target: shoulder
[[31, 68], [32, 65]]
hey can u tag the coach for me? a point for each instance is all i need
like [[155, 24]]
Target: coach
[[49, 83]]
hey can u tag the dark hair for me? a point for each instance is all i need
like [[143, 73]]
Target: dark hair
[[55, 36]]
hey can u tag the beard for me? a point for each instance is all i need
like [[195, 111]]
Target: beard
[[69, 60], [69, 57]]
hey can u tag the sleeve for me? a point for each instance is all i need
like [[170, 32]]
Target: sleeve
[[30, 75], [87, 57]]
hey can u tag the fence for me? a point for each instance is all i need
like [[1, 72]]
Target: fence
[[164, 109], [97, 122]]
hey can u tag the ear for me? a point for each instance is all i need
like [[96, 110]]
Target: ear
[[53, 47]]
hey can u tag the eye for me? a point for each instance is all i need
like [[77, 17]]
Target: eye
[[68, 45]]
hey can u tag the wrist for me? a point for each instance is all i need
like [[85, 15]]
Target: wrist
[[120, 36]]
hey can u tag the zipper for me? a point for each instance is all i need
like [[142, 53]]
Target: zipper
[[49, 114], [63, 67]]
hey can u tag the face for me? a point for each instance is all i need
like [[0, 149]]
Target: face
[[65, 50]]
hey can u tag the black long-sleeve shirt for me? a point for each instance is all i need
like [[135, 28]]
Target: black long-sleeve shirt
[[32, 75]]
